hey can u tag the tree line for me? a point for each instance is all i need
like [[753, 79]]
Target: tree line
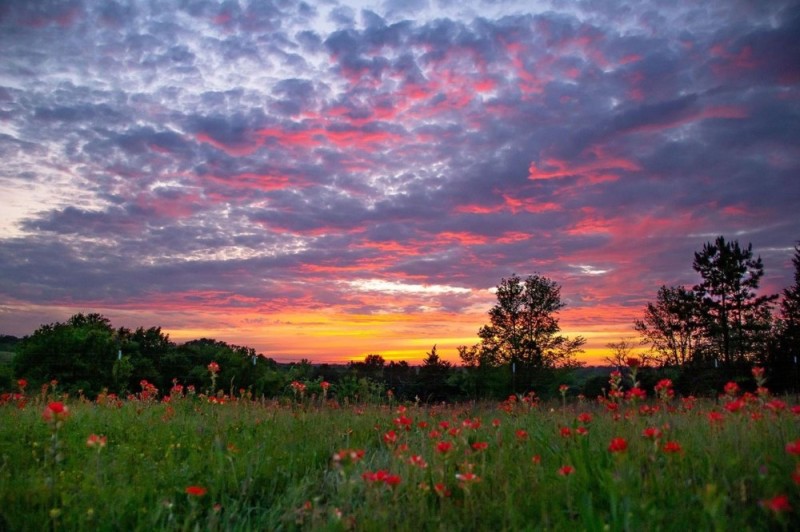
[[698, 336]]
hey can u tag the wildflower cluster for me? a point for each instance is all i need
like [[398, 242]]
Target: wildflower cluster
[[298, 388], [451, 458], [148, 394], [381, 477]]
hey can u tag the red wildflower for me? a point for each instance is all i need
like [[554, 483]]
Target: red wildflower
[[381, 476], [390, 437], [731, 388], [536, 459], [565, 432], [392, 480], [480, 446], [96, 441], [418, 461], [776, 405], [213, 367], [298, 387], [663, 384], [777, 504], [664, 390], [467, 478], [348, 456], [196, 491], [403, 422], [672, 447], [758, 375], [715, 417], [585, 418], [444, 447], [618, 445], [441, 489], [566, 470], [521, 434], [636, 394], [57, 407], [55, 411], [688, 402], [22, 383], [651, 433], [473, 424], [735, 405], [793, 447], [582, 431], [647, 410]]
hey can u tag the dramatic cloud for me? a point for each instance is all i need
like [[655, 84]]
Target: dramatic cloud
[[331, 179]]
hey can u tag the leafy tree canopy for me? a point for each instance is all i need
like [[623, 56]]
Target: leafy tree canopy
[[523, 326]]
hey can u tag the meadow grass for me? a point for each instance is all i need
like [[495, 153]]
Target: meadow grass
[[519, 465]]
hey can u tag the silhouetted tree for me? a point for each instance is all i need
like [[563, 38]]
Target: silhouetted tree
[[523, 327], [401, 379], [790, 310], [736, 321], [372, 367], [622, 351], [782, 356], [481, 375], [671, 326], [524, 331], [433, 375]]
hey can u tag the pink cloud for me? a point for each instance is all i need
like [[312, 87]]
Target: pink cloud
[[601, 168], [529, 205]]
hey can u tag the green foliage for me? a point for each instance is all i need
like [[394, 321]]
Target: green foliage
[[84, 354], [258, 465], [79, 354]]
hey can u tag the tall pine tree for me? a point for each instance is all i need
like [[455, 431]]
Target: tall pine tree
[[736, 320]]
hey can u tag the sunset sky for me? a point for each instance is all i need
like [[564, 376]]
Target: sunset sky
[[337, 178]]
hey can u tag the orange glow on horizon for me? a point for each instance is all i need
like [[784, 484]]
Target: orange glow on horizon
[[342, 338], [328, 336]]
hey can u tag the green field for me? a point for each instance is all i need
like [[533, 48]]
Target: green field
[[243, 464]]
